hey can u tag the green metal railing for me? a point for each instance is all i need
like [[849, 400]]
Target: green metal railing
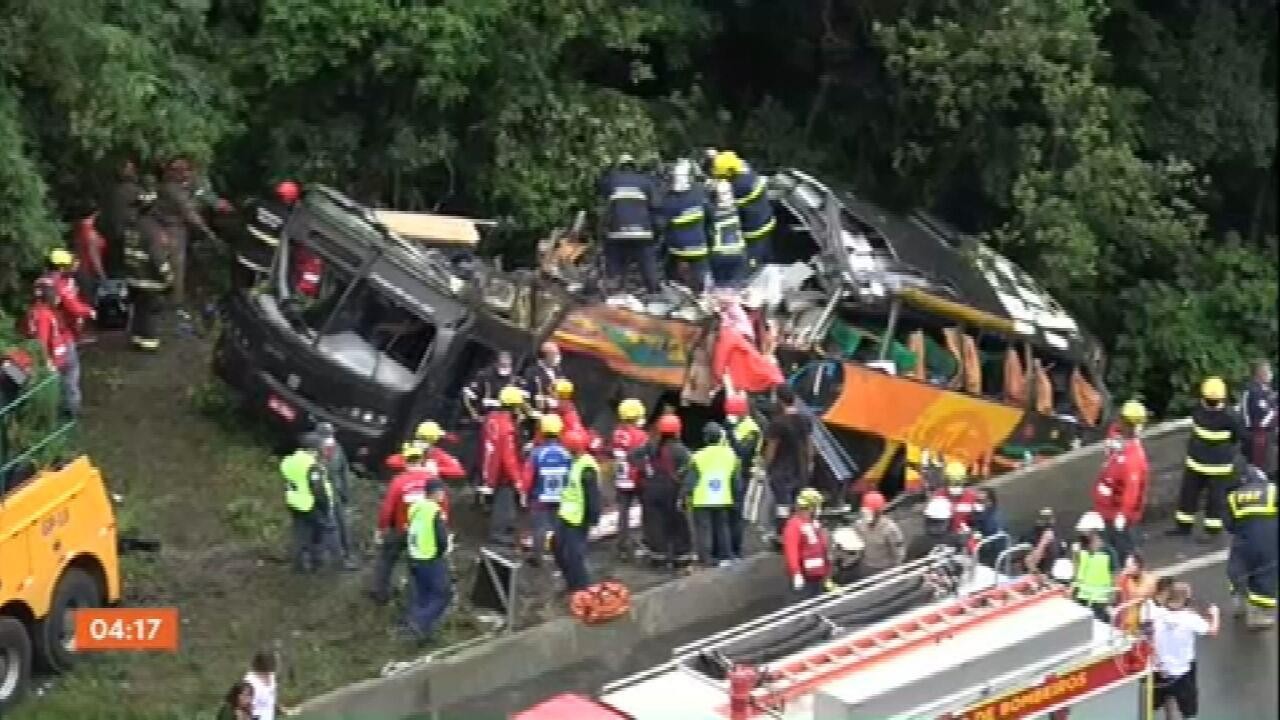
[[31, 428]]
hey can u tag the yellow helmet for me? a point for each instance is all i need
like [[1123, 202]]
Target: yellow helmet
[[511, 396], [631, 409], [726, 164], [60, 257], [430, 431], [1133, 412], [551, 424], [1213, 389], [564, 388], [412, 451], [955, 472], [808, 498]]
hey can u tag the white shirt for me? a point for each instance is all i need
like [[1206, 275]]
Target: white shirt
[[1174, 636], [264, 695]]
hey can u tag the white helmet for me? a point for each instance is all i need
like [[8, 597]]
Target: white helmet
[[848, 540], [1091, 522], [938, 508], [724, 194]]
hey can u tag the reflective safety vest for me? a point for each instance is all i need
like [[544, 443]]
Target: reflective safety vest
[[686, 217], [714, 466], [423, 543], [727, 237], [1093, 577], [751, 196], [296, 469], [814, 563], [551, 463], [1211, 450], [573, 500]]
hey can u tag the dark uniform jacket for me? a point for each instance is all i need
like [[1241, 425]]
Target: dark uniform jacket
[[264, 222], [629, 200], [1258, 405], [146, 255], [1215, 437], [686, 215]]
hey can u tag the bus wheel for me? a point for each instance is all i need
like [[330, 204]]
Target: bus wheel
[[15, 662], [54, 635]]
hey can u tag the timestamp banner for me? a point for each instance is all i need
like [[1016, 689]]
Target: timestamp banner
[[126, 629]]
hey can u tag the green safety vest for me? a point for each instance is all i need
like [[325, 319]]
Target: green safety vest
[[714, 466], [1093, 577], [423, 543], [296, 468], [573, 499], [743, 430]]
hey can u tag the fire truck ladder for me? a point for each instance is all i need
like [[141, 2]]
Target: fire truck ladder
[[798, 675]]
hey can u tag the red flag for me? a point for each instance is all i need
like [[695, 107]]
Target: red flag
[[748, 370]]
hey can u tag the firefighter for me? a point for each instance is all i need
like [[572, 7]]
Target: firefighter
[[309, 496], [1255, 547], [751, 195], [75, 311], [427, 437], [540, 378], [406, 488], [481, 393], [747, 441], [176, 209], [965, 503], [1094, 566], [628, 199], [579, 512], [501, 466], [427, 542], [805, 546], [267, 217], [684, 213], [713, 471], [728, 250], [628, 436], [44, 324], [148, 273], [1211, 451], [883, 546], [1258, 408], [666, 460], [545, 472], [1120, 494], [119, 213]]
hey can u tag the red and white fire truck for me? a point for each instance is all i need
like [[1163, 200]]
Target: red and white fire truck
[[937, 638]]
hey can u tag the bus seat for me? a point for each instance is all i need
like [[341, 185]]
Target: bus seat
[[1088, 400], [360, 357], [1043, 390], [1015, 379]]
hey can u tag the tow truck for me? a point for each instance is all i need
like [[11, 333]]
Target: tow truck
[[942, 638]]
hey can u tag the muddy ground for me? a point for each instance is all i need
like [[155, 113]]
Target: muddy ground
[[196, 474]]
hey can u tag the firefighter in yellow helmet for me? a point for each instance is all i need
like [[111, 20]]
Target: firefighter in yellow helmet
[[966, 504], [1210, 463], [751, 195]]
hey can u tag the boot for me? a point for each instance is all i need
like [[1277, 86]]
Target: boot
[[1257, 618]]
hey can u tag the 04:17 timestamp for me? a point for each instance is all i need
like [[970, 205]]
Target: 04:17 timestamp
[[127, 629]]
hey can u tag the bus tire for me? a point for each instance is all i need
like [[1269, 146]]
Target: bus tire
[[15, 662], [77, 590]]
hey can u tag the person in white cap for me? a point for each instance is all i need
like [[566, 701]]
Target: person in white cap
[[1094, 566], [937, 530]]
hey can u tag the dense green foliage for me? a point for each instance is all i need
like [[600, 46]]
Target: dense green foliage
[[1123, 150]]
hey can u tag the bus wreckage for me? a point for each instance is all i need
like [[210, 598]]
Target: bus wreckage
[[909, 340]]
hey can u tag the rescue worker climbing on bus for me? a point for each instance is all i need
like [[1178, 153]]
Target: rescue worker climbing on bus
[[965, 504], [428, 542], [1255, 548], [148, 270], [579, 512], [665, 461], [805, 546], [713, 472], [883, 545], [685, 213], [44, 324], [1258, 407], [747, 441], [255, 248], [1094, 564], [501, 465], [1120, 493], [728, 256], [751, 195], [309, 496], [628, 200], [628, 479], [545, 473], [1211, 453], [406, 488]]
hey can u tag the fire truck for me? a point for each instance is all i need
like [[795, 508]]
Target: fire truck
[[939, 638]]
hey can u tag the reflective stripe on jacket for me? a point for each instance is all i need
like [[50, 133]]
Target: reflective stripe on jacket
[[685, 214], [752, 198], [1215, 435], [628, 201]]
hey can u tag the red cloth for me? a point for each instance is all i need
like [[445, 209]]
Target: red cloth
[[447, 466], [44, 326], [627, 437], [73, 310], [749, 371], [90, 246], [404, 490], [963, 507], [500, 459], [307, 269], [1121, 488], [804, 545]]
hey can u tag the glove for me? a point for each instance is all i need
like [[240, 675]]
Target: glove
[[797, 582], [1120, 522]]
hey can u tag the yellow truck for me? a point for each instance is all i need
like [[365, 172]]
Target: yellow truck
[[58, 547]]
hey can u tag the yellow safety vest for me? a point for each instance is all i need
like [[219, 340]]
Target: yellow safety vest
[[714, 466], [423, 543], [296, 469], [573, 499], [1093, 577]]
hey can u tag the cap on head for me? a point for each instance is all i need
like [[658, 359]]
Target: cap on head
[[1090, 522], [955, 473], [430, 431], [288, 192], [1133, 412], [1213, 389], [669, 425], [511, 396], [712, 433], [60, 257], [631, 409], [938, 508], [551, 424], [873, 501], [576, 441], [564, 388], [735, 405]]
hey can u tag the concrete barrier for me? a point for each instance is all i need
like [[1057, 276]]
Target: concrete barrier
[[1063, 483]]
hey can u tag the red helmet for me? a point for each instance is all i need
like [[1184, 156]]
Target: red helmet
[[669, 425], [575, 441], [735, 405], [288, 192], [873, 501]]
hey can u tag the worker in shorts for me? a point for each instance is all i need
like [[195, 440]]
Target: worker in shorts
[[1174, 627]]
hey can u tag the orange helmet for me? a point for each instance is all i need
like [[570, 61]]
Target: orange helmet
[[669, 425], [873, 501], [735, 405], [575, 441]]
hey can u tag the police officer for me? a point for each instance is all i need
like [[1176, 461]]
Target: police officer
[[747, 441], [728, 250], [684, 215], [1258, 407], [1211, 452], [264, 225], [628, 197], [309, 497], [148, 272], [713, 473], [427, 543], [579, 512], [546, 471], [751, 195], [1255, 547]]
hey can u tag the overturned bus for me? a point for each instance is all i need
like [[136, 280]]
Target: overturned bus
[[902, 335]]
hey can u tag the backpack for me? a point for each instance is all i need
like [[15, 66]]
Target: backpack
[[601, 602]]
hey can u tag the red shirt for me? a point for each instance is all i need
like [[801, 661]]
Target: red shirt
[[405, 489], [804, 546], [73, 310], [1121, 488], [627, 437], [964, 506], [91, 247], [500, 460], [44, 326], [307, 268], [447, 466]]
